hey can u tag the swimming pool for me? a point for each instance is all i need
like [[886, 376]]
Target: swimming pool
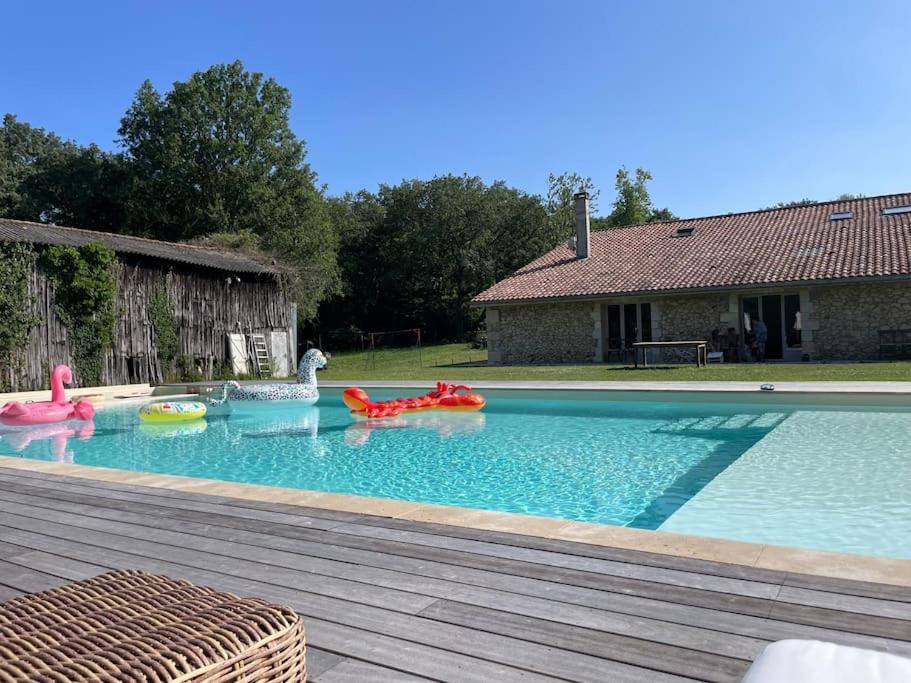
[[833, 477]]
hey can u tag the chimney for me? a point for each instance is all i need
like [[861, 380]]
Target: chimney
[[583, 224]]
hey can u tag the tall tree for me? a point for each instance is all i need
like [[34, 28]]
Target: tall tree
[[633, 204], [560, 210], [415, 254], [216, 154], [81, 187], [24, 150]]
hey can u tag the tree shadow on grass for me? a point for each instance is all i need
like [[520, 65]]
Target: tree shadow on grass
[[466, 364], [630, 368]]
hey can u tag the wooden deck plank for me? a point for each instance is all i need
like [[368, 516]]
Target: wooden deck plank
[[555, 583], [164, 501], [7, 593], [241, 507], [354, 671], [846, 603], [101, 487], [324, 543], [398, 600], [238, 566], [866, 589], [611, 567], [647, 654], [320, 661], [340, 638], [626, 604], [407, 586], [545, 660], [23, 579], [763, 629], [530, 570], [238, 507]]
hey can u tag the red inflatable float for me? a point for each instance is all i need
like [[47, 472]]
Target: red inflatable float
[[444, 397]]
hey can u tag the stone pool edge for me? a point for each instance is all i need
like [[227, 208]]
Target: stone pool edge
[[799, 560]]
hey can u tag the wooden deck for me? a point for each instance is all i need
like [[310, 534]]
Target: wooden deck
[[392, 600]]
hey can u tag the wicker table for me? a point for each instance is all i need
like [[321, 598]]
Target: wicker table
[[131, 626]]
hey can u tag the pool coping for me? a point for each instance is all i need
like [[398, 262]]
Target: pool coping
[[817, 387], [887, 570]]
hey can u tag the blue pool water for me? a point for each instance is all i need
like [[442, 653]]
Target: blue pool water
[[625, 462]]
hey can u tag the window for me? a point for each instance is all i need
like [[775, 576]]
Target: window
[[841, 215], [684, 232], [623, 325], [630, 324], [614, 337], [645, 328], [893, 210]]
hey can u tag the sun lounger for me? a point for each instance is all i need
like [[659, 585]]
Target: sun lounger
[[812, 661]]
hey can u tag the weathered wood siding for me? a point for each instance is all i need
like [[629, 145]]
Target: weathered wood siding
[[206, 307]]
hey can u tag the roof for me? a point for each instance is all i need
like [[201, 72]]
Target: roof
[[42, 233], [773, 246]]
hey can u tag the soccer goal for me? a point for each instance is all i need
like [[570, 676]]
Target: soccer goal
[[394, 347]]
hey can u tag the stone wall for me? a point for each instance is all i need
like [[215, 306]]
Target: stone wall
[[689, 317], [545, 333], [840, 322], [846, 319]]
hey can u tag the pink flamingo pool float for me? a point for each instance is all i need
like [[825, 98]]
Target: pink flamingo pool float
[[57, 409]]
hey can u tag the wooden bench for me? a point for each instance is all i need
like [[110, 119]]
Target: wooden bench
[[700, 347], [894, 344]]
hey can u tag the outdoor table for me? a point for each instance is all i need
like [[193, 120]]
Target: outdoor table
[[700, 346]]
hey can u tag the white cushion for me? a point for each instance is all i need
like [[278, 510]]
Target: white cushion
[[812, 661]]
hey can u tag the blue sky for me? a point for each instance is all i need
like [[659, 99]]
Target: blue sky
[[730, 105]]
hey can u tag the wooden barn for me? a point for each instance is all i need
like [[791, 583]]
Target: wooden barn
[[211, 294]]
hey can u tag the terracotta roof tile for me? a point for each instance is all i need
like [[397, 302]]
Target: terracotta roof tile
[[761, 247]]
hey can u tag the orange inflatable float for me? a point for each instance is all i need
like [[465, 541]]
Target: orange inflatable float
[[444, 397]]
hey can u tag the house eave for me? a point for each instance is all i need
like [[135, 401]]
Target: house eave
[[784, 284]]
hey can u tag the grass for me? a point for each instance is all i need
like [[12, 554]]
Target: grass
[[460, 362]]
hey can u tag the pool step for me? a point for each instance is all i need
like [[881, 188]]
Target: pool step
[[713, 422]]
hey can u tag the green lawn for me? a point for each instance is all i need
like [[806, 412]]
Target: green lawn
[[459, 362]]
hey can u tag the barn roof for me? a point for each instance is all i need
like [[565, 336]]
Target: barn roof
[[868, 238], [42, 233]]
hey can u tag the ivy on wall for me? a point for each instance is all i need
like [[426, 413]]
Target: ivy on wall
[[85, 292], [17, 260], [161, 314]]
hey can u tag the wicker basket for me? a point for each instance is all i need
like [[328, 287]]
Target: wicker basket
[[131, 626]]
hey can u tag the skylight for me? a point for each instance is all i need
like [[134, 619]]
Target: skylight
[[684, 232], [841, 215], [893, 210]]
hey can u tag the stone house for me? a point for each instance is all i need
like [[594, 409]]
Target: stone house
[[830, 281]]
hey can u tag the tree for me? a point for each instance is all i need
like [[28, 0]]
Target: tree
[[806, 201], [414, 254], [22, 150], [216, 154], [560, 209], [633, 205], [82, 187]]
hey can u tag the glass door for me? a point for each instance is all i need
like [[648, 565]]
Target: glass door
[[771, 316], [781, 315]]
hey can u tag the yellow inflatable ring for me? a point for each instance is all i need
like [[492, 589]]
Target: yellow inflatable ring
[[172, 411]]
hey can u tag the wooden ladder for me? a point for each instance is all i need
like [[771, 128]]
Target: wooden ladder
[[260, 353]]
